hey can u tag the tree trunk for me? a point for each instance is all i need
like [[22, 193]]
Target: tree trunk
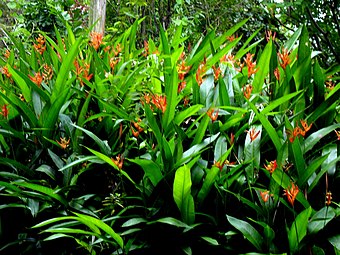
[[97, 16]]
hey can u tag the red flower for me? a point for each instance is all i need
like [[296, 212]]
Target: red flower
[[264, 195], [337, 133], [252, 134], [250, 64], [118, 161], [37, 79], [291, 193], [4, 111], [271, 166], [284, 58], [328, 198], [212, 114], [247, 91], [40, 46], [96, 40]]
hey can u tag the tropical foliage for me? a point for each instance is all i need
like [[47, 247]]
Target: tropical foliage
[[229, 145]]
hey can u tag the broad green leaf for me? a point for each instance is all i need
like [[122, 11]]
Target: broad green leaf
[[103, 145], [330, 152], [335, 241], [182, 194], [320, 219], [311, 169], [249, 232], [76, 162], [210, 240], [298, 229], [173, 222], [45, 190], [314, 138], [151, 169], [263, 68], [268, 127], [102, 225], [252, 152], [110, 162], [47, 170], [183, 115], [21, 84], [133, 222]]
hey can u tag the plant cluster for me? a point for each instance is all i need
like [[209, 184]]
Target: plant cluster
[[220, 147]]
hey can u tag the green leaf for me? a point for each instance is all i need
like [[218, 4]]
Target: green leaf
[[133, 222], [42, 189], [249, 232], [298, 229], [102, 225], [320, 219], [210, 240], [330, 152], [21, 84], [47, 170], [151, 169], [110, 162], [317, 136], [335, 241], [182, 194], [310, 170], [263, 67]]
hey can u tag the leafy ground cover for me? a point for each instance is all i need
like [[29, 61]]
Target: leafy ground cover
[[223, 146]]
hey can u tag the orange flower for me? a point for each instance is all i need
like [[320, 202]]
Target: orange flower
[[63, 142], [47, 72], [160, 102], [40, 46], [4, 111], [284, 58], [146, 48], [181, 86], [96, 39], [118, 161], [4, 71], [138, 127], [299, 131], [264, 195], [37, 79], [270, 35], [113, 63], [228, 58], [183, 69], [277, 73], [291, 193], [200, 73], [186, 101], [7, 54], [212, 114], [247, 91], [305, 125], [231, 38], [117, 50], [328, 198], [217, 72], [250, 64], [232, 138], [271, 166], [252, 134], [82, 72], [337, 133]]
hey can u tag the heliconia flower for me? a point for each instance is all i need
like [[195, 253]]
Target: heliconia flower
[[4, 71], [328, 198], [37, 79], [200, 73], [252, 134], [231, 38], [291, 193], [337, 133], [117, 50], [47, 73], [284, 58], [63, 142], [213, 115], [118, 161], [228, 58], [113, 62], [305, 125], [232, 138], [4, 111], [7, 54], [217, 72], [40, 46], [182, 69], [277, 73], [96, 39], [247, 91], [186, 101], [146, 48], [271, 166], [265, 195], [270, 35], [138, 127], [250, 64], [181, 86], [160, 102]]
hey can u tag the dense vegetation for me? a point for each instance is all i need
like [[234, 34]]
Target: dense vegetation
[[186, 139]]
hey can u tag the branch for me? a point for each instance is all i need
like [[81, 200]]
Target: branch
[[326, 39]]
